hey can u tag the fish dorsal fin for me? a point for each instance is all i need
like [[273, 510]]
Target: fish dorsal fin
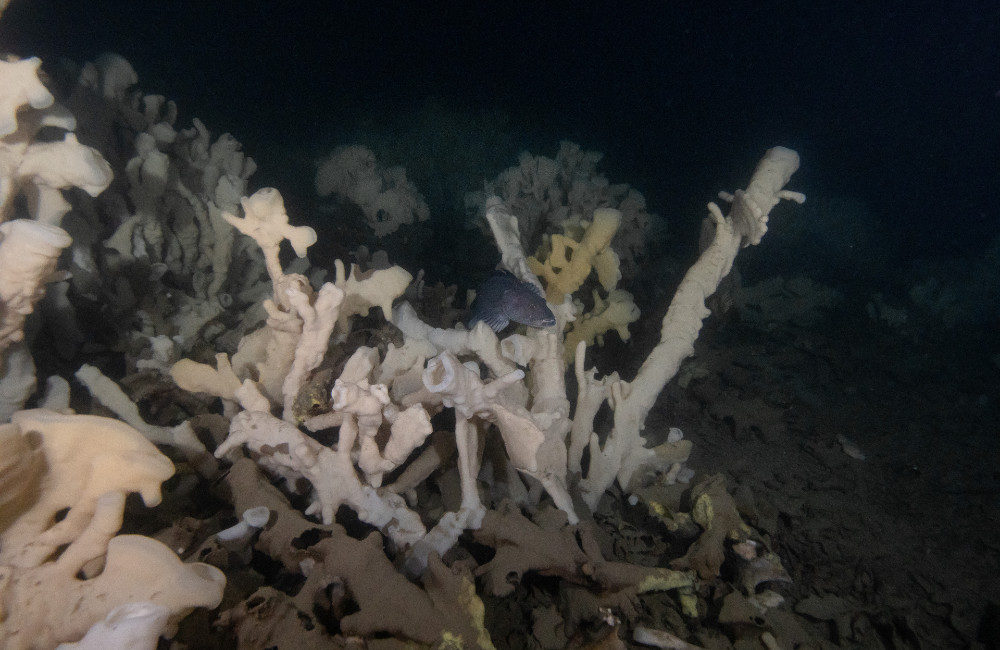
[[534, 289], [529, 285]]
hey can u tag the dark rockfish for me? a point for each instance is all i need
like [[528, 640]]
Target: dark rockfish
[[503, 298]]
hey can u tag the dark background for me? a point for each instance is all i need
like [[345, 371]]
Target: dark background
[[893, 104]]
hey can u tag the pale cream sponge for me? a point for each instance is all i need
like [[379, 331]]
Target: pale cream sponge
[[85, 466]]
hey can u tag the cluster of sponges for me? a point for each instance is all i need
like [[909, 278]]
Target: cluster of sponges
[[63, 569], [568, 261], [384, 194]]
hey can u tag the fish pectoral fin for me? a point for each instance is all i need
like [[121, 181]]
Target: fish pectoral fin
[[497, 322]]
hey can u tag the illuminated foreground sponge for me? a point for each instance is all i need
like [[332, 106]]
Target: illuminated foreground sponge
[[60, 576]]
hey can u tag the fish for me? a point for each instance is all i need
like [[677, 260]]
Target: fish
[[503, 298]]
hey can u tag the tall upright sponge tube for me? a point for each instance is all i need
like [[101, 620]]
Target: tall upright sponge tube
[[723, 237], [744, 226]]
